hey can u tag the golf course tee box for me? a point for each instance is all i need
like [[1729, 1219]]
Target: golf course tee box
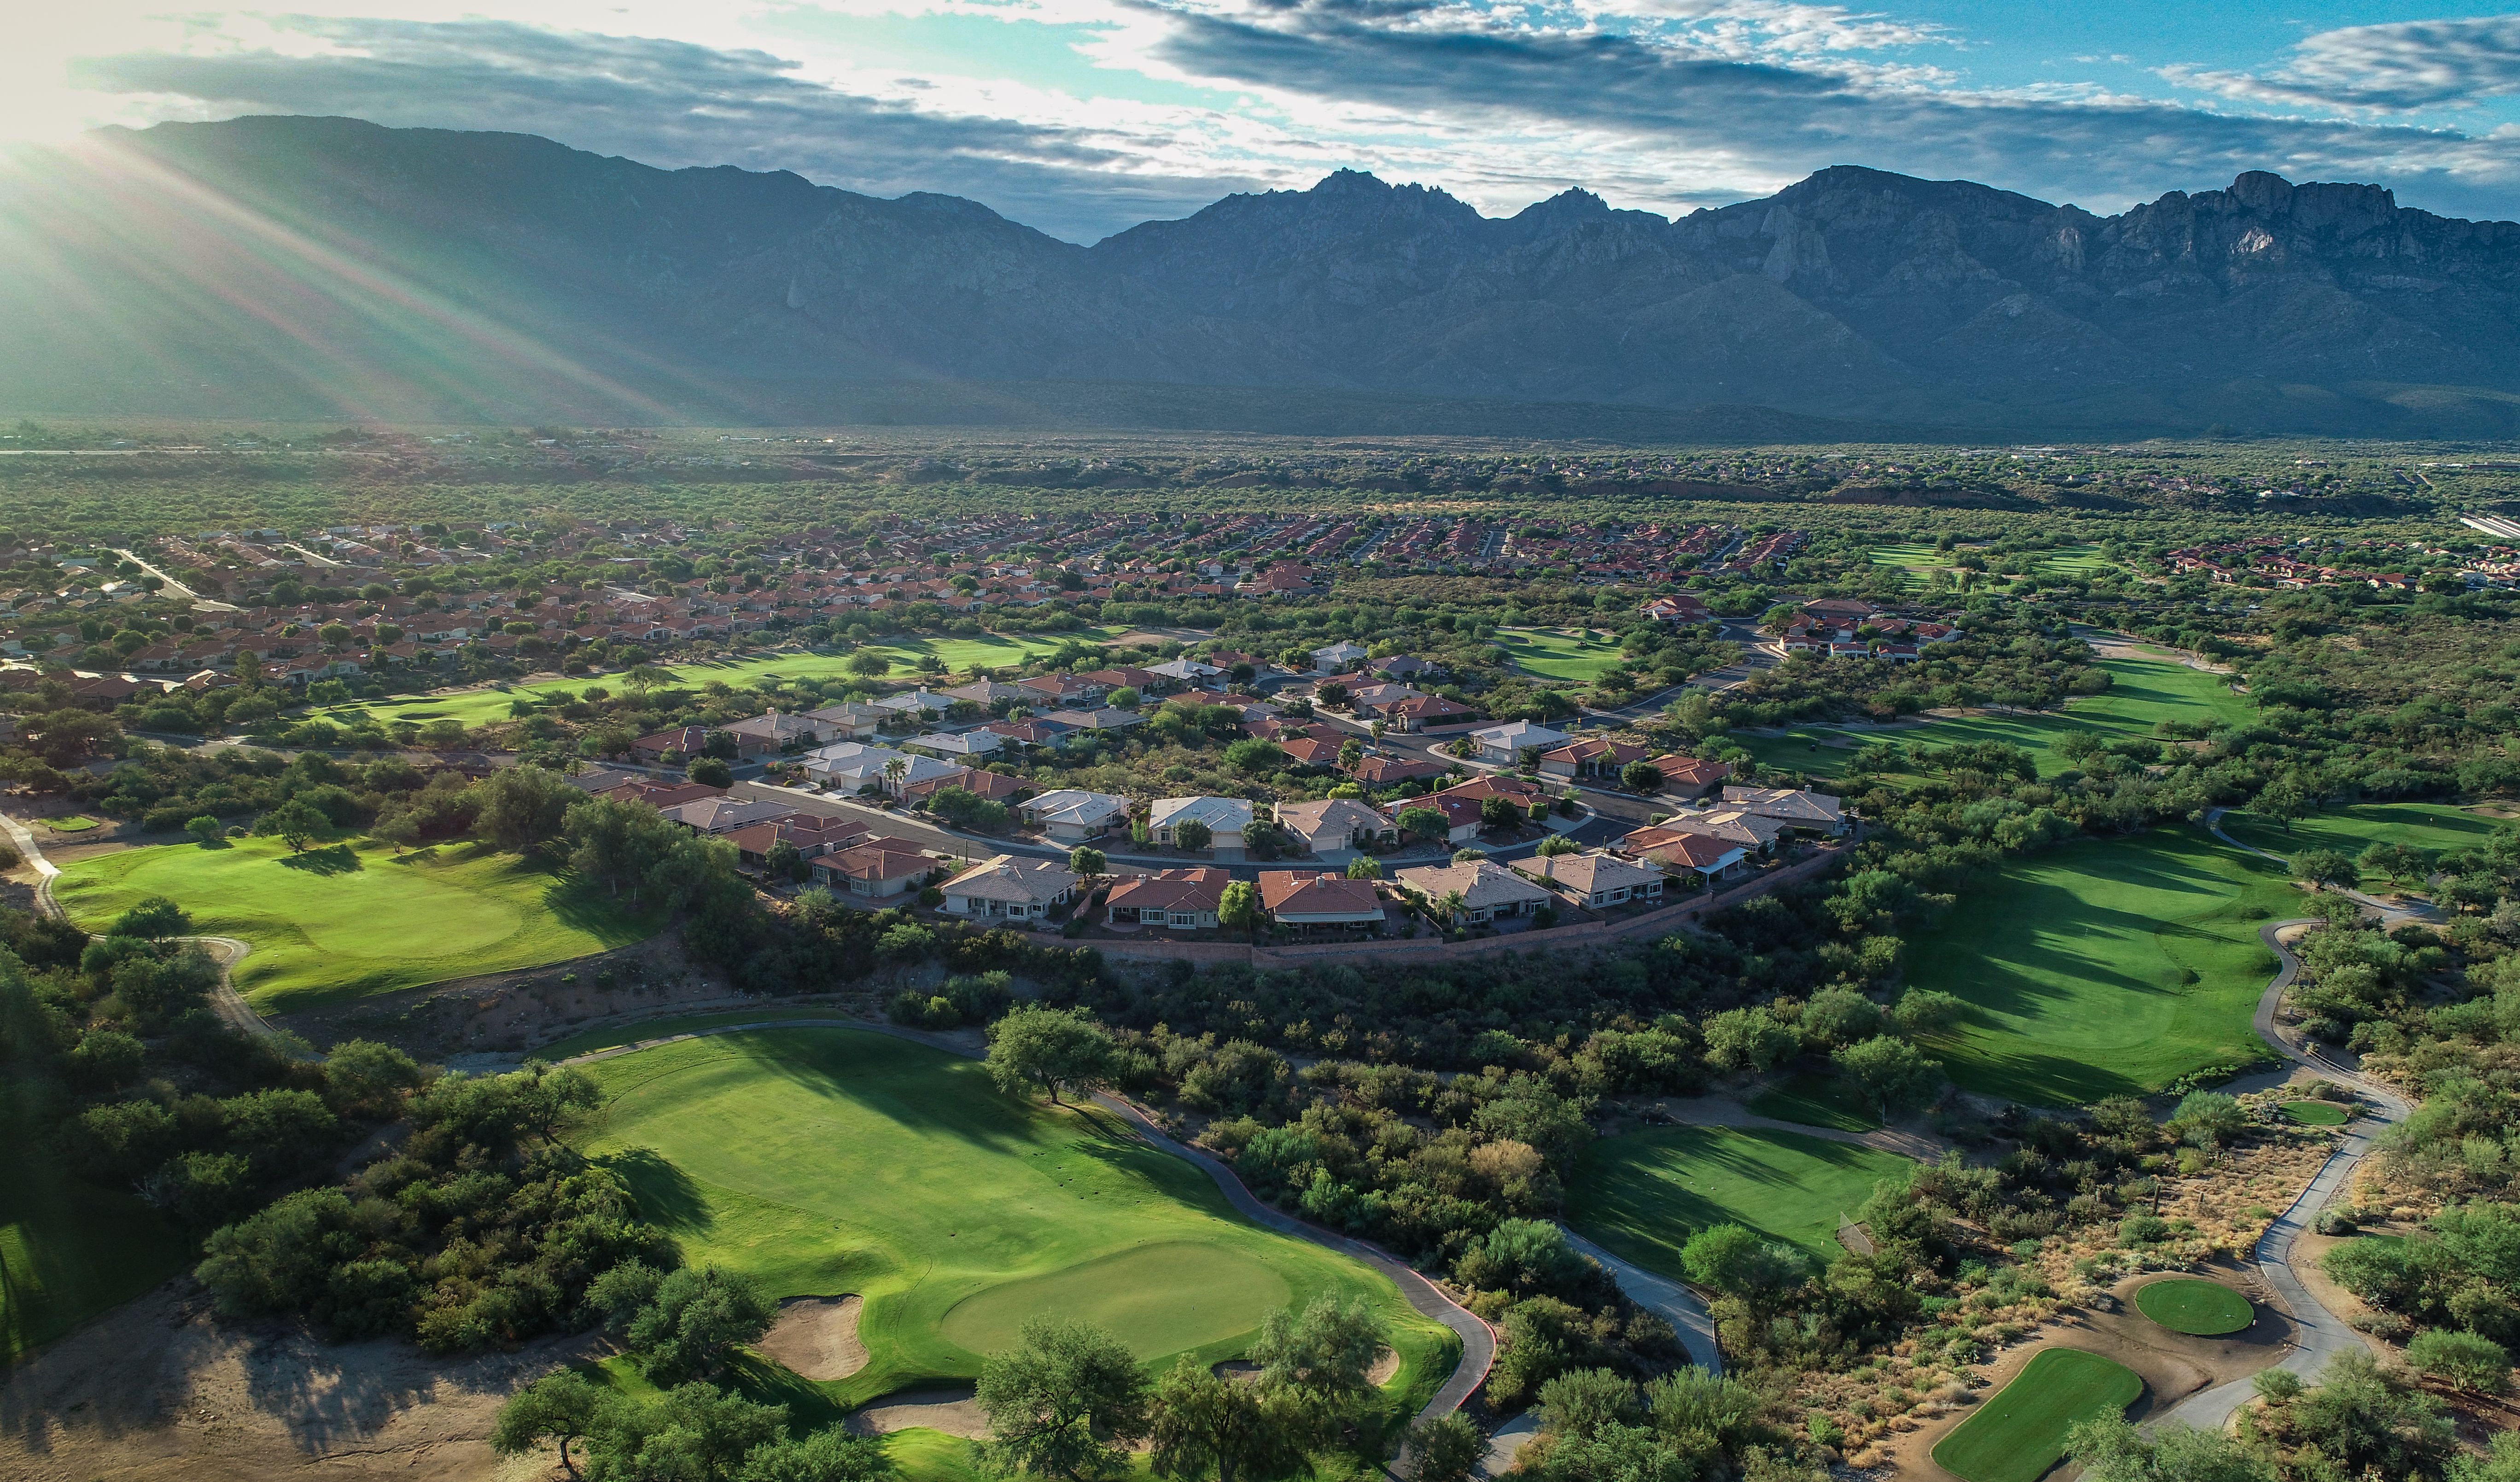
[[2020, 1434]]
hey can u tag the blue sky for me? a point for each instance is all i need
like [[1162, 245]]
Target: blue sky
[[1082, 116]]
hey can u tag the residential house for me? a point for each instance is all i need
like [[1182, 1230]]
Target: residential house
[[1685, 776], [1304, 899], [963, 745], [1125, 677], [1060, 691], [1225, 817], [1338, 656], [850, 720], [660, 796], [1071, 815], [1180, 672], [1460, 814], [1714, 859], [724, 814], [1336, 823], [1522, 795], [1797, 808], [874, 870], [914, 704], [1104, 719], [1599, 879], [1185, 900], [855, 764], [673, 745], [1320, 754], [1419, 712], [1488, 891], [1407, 668], [1008, 888], [1504, 745], [1374, 701], [813, 836], [1678, 607], [989, 693], [1377, 770], [1595, 758], [1753, 831], [773, 732]]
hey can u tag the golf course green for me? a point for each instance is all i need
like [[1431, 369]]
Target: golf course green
[[2317, 1113], [2143, 692], [2190, 1305], [345, 922], [822, 1161], [1642, 1194], [2020, 1434], [2105, 966], [1576, 654]]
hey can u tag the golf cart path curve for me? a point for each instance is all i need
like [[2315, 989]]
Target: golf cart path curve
[[2390, 915], [226, 950], [2319, 1335], [1478, 1339]]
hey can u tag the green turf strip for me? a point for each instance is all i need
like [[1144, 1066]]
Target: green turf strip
[[2020, 1434], [1643, 1194], [2317, 1113], [2186, 1303], [342, 921], [69, 1250], [76, 822], [1576, 654], [2143, 692], [1817, 1101], [824, 1161], [2105, 968], [2432, 827]]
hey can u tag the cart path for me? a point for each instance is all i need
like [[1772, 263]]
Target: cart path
[[2321, 1333]]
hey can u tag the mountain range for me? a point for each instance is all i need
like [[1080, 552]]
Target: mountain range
[[321, 268]]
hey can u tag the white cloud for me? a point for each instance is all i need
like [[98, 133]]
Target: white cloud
[[2400, 66]]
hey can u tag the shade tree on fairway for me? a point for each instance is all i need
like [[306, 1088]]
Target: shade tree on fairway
[[1893, 1074], [558, 1407], [1064, 1403], [1049, 1049], [681, 1324], [694, 1432]]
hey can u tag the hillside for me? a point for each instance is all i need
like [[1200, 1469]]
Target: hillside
[[323, 267]]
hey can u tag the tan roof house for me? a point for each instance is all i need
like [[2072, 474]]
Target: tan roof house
[[1011, 889]]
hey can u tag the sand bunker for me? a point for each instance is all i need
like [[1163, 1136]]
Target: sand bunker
[[1377, 1376], [955, 1411], [817, 1337]]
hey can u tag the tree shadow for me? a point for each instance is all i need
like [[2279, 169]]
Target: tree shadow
[[667, 1197], [331, 859]]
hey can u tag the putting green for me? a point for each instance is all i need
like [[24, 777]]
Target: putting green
[[1643, 1194], [2020, 1434], [822, 1160], [2143, 692], [1575, 653], [2105, 966], [344, 921], [2317, 1113], [2190, 1305], [76, 822]]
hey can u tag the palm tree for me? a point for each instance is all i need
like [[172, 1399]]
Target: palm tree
[[893, 772]]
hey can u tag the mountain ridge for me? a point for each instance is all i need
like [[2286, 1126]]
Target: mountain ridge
[[315, 266]]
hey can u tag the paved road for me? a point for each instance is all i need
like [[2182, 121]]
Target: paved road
[[2321, 1333], [1660, 1294], [1478, 1340], [176, 588]]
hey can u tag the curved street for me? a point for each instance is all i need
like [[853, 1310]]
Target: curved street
[[2321, 1333]]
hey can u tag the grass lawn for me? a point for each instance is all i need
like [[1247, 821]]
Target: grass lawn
[[76, 822], [2188, 1305], [2143, 693], [344, 921], [2317, 1113], [826, 1162], [1815, 1100], [2020, 1434], [2433, 827], [1576, 654], [1642, 1194], [2104, 967], [475, 708], [70, 1252]]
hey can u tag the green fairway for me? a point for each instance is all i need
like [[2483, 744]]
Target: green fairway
[[490, 702], [1817, 1101], [824, 1161], [2317, 1113], [2143, 692], [1577, 653], [70, 1252], [1643, 1194], [345, 922], [2105, 966], [2020, 1434], [2188, 1305], [2433, 827]]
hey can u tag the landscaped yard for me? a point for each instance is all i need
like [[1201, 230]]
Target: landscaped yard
[[70, 1252], [2190, 1305], [2143, 692], [490, 702], [1642, 1194], [345, 922], [2020, 1434], [830, 1161], [2105, 966], [1576, 654]]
